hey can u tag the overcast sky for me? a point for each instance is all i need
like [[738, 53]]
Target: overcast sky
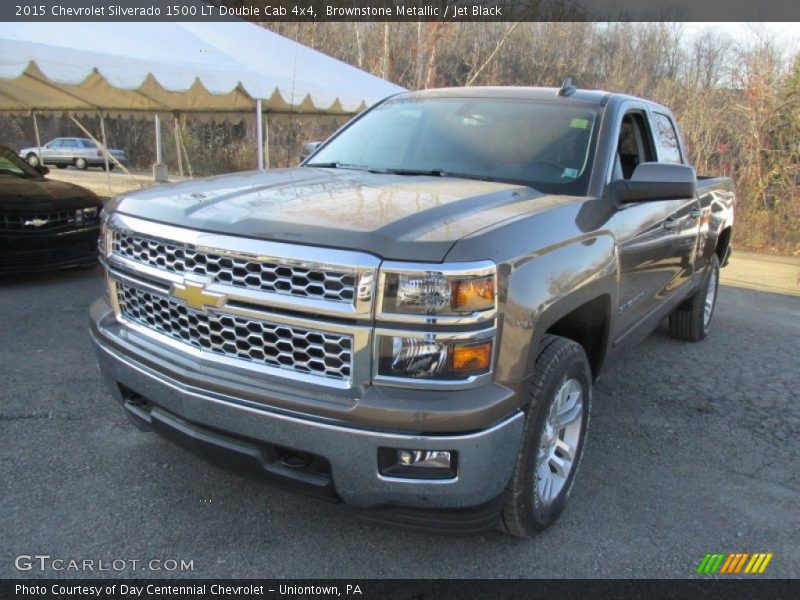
[[787, 34]]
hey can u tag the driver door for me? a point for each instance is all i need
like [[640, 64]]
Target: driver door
[[650, 260]]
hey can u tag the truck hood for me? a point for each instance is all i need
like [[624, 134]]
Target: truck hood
[[415, 218]]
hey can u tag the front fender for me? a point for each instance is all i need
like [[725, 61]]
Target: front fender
[[542, 287]]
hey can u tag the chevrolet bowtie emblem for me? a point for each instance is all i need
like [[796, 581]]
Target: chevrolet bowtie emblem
[[37, 222], [195, 296]]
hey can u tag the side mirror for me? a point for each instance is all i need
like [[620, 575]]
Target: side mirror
[[41, 169], [308, 149], [656, 181]]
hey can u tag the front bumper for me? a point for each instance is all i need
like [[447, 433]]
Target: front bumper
[[48, 250], [217, 422]]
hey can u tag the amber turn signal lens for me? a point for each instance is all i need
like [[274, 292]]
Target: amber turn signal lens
[[474, 358], [472, 294]]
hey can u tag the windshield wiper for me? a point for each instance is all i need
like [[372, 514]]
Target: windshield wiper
[[432, 172], [381, 170], [339, 165], [438, 173], [411, 172]]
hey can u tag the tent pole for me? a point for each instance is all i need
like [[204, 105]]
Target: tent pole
[[105, 150], [266, 139], [158, 139], [160, 174], [259, 136], [101, 144], [178, 147], [38, 141]]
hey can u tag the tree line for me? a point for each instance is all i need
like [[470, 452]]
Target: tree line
[[737, 102]]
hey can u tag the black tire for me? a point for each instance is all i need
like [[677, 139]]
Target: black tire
[[110, 167], [688, 322], [80, 163], [524, 511], [33, 159]]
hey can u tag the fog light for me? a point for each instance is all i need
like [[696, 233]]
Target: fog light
[[424, 458], [417, 464]]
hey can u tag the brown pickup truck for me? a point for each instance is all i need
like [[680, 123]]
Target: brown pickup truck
[[411, 321]]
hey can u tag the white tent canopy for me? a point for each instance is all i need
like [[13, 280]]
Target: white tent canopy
[[186, 67]]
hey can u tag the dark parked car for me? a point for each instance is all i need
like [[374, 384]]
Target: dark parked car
[[44, 224], [80, 152]]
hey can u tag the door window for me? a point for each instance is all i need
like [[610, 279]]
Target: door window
[[634, 147], [667, 139]]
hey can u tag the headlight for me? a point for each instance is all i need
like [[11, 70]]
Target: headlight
[[409, 289], [428, 356], [103, 244], [85, 214]]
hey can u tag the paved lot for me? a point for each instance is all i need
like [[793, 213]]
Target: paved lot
[[693, 448]]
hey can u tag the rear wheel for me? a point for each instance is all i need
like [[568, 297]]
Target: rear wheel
[[80, 163], [32, 159], [691, 321], [557, 419]]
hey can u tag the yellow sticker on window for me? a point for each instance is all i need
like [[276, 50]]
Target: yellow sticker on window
[[579, 123]]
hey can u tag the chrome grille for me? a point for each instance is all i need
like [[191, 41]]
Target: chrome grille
[[286, 347], [252, 273]]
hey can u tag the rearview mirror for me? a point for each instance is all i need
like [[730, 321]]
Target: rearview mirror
[[308, 149], [41, 169], [656, 181]]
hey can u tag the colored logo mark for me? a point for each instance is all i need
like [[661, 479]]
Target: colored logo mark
[[734, 562]]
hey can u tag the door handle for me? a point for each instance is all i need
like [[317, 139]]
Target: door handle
[[670, 223]]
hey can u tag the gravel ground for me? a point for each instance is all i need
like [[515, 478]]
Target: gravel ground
[[692, 449]]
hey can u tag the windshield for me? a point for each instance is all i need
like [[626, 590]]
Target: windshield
[[545, 145], [11, 164]]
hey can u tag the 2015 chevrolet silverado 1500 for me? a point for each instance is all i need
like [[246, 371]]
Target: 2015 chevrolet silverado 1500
[[411, 321]]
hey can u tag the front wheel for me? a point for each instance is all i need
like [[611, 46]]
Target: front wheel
[[32, 159], [691, 321], [559, 396]]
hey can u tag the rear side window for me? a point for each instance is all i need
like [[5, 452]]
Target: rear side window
[[668, 139]]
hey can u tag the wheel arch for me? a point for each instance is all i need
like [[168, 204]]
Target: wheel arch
[[723, 245]]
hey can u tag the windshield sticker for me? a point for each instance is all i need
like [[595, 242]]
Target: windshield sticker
[[569, 174], [579, 123]]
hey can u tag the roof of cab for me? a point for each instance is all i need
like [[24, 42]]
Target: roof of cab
[[598, 97], [522, 93]]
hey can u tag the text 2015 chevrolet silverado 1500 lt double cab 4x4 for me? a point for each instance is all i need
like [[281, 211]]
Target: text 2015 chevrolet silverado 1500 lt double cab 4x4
[[411, 321]]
